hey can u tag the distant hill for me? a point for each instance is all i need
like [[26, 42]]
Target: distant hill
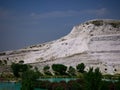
[[96, 43]]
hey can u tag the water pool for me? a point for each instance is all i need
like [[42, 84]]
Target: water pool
[[57, 79], [17, 86], [9, 86]]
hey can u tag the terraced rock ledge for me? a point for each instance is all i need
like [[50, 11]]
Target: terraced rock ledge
[[96, 43]]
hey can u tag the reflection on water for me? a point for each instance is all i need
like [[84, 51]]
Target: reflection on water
[[57, 79]]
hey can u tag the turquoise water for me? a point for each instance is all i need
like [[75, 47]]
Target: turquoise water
[[16, 86], [12, 86], [57, 79], [9, 86]]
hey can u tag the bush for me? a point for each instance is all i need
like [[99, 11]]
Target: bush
[[97, 22], [1, 63], [17, 68], [118, 84], [93, 79], [46, 70], [43, 84], [28, 79], [115, 24], [71, 71], [59, 86], [80, 67], [21, 62], [105, 85], [73, 85], [59, 68], [48, 73]]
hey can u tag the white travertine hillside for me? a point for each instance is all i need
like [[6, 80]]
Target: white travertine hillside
[[95, 43]]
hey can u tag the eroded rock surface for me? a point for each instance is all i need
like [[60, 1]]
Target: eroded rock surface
[[95, 43]]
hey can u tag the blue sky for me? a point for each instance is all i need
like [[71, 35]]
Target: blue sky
[[29, 22]]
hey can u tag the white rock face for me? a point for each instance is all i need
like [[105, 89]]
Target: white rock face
[[96, 43]]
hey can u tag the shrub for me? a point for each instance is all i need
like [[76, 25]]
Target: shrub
[[48, 73], [74, 85], [97, 22], [59, 86], [105, 85], [42, 84], [59, 68], [5, 62], [118, 84], [28, 79], [93, 79], [71, 71], [46, 68], [80, 67], [1, 63], [21, 62], [17, 68], [115, 24]]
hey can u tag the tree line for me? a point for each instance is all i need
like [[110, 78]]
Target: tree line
[[88, 80]]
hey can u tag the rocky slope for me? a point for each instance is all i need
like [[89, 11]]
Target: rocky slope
[[95, 43]]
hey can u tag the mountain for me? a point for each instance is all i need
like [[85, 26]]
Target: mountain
[[96, 43]]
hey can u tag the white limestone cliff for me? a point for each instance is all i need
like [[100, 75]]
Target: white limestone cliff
[[95, 43]]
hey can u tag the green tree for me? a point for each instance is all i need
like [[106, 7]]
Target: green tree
[[118, 84], [59, 68], [93, 79], [5, 62], [46, 70], [80, 67], [71, 71], [1, 62], [28, 79], [18, 68], [21, 61], [37, 71], [15, 69]]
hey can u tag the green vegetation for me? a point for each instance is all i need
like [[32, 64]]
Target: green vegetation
[[18, 69], [59, 69], [115, 24], [118, 84], [100, 23], [5, 62], [97, 22], [27, 75], [1, 63], [72, 71], [21, 61], [28, 79], [91, 80], [80, 67], [46, 70]]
